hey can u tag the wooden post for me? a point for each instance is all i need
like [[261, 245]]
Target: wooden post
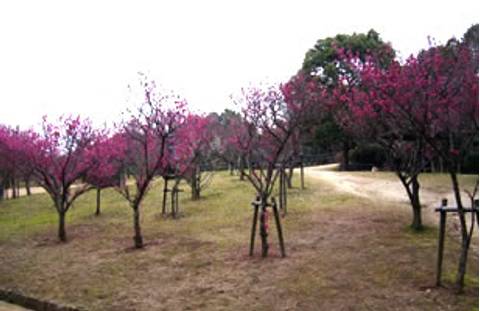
[[165, 190], [284, 192], [279, 227], [254, 225], [441, 240], [173, 201], [475, 209], [280, 187], [302, 175], [97, 212], [263, 226], [176, 201]]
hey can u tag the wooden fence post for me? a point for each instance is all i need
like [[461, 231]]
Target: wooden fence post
[[279, 227], [441, 240], [254, 225]]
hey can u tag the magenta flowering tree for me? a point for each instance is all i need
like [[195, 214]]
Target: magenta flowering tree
[[108, 152], [150, 136], [61, 157], [450, 103], [372, 111], [426, 108], [195, 140], [238, 141], [14, 165], [263, 137]]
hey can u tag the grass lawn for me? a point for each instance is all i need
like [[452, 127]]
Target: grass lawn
[[343, 253]]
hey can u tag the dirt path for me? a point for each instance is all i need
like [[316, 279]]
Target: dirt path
[[5, 306], [374, 188]]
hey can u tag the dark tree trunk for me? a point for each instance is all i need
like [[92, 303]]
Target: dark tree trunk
[[241, 168], [195, 184], [413, 192], [231, 167], [27, 186], [263, 227], [345, 157], [302, 176], [173, 197], [14, 188], [62, 234], [417, 208], [164, 201], [138, 239], [97, 211], [462, 264], [289, 177]]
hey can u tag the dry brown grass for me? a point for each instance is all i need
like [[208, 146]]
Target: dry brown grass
[[344, 253]]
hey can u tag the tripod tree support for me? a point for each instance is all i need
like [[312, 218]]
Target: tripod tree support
[[444, 210], [262, 205]]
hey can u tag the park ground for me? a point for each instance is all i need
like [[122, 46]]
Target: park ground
[[349, 247]]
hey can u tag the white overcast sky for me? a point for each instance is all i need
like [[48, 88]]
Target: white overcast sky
[[77, 57]]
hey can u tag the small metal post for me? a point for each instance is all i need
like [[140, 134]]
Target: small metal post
[[441, 240]]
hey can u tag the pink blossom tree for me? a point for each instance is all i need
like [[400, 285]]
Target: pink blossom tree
[[13, 162], [108, 152], [197, 138], [450, 103], [61, 158], [372, 112], [149, 139], [267, 128], [425, 108]]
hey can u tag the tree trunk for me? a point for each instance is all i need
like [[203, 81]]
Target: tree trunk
[[462, 263], [138, 239], [18, 188], [164, 201], [413, 192], [345, 159], [241, 168], [195, 184], [302, 176], [172, 195], [263, 227], [417, 207], [62, 234], [230, 166], [27, 186], [97, 211], [14, 188], [289, 177]]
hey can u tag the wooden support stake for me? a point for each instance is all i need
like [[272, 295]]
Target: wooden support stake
[[475, 208], [280, 187], [284, 192], [254, 227], [302, 177], [176, 202], [441, 240], [173, 202], [263, 228], [279, 227], [164, 202]]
